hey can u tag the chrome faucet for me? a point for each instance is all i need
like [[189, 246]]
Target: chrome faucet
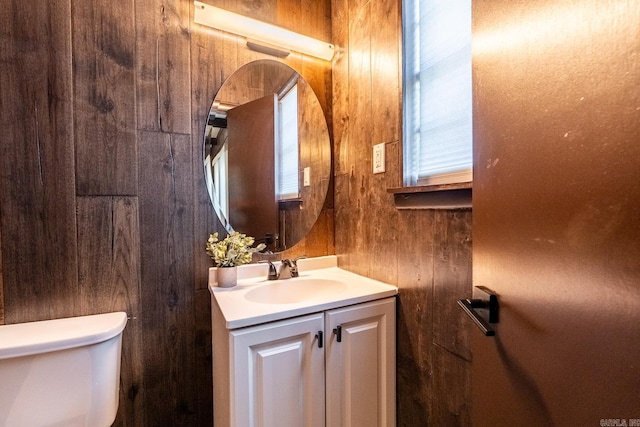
[[288, 269], [273, 274]]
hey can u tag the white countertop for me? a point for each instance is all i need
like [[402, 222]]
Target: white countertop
[[239, 311]]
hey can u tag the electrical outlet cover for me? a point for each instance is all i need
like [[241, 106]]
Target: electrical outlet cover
[[378, 158], [307, 176]]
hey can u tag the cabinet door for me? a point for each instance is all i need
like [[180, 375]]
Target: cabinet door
[[277, 374], [360, 369]]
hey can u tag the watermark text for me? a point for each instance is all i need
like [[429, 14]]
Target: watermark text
[[620, 422]]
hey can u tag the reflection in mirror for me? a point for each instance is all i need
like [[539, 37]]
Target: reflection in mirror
[[267, 154]]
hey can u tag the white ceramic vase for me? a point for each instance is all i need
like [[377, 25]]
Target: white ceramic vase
[[227, 276]]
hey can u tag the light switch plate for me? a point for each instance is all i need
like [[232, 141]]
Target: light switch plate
[[307, 176], [378, 158]]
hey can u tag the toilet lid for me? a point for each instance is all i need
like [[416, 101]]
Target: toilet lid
[[44, 336]]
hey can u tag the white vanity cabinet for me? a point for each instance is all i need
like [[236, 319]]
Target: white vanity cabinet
[[360, 361], [334, 368]]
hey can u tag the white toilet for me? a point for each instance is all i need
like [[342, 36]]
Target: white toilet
[[61, 373]]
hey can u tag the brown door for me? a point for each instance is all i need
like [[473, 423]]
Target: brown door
[[556, 211], [252, 200]]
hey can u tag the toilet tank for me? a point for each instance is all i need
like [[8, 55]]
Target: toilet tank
[[63, 372]]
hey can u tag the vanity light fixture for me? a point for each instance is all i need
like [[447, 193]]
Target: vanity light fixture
[[261, 36]]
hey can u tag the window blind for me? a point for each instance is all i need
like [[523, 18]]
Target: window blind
[[437, 92], [287, 146]]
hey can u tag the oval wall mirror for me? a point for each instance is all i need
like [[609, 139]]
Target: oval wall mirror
[[267, 154]]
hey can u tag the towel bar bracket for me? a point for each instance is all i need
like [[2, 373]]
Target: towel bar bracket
[[483, 309]]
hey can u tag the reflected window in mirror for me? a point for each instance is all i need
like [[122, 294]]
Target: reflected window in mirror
[[287, 180], [437, 95], [216, 168], [220, 190]]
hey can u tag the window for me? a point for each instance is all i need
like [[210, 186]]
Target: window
[[437, 95], [217, 183], [287, 145]]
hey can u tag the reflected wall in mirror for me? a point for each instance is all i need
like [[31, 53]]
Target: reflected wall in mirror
[[267, 154]]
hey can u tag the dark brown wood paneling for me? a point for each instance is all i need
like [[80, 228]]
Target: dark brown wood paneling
[[104, 108], [415, 319], [203, 360], [315, 19], [452, 279], [377, 122], [385, 78], [162, 65], [451, 385], [37, 214], [340, 89], [109, 280], [359, 167], [167, 287], [384, 241], [109, 266]]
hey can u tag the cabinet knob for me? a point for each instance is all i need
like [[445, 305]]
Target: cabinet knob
[[320, 337]]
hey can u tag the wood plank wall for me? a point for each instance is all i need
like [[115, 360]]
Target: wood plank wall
[[103, 202], [427, 253]]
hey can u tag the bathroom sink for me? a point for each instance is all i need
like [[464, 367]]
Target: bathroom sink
[[321, 286], [295, 290]]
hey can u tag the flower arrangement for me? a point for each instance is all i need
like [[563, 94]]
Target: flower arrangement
[[234, 250]]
